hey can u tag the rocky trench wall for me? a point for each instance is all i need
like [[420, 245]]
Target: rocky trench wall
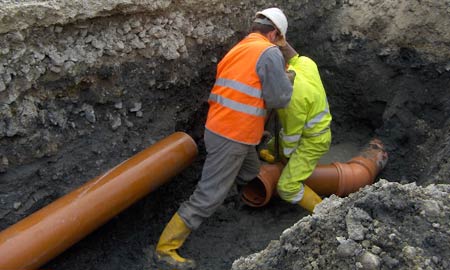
[[386, 69], [86, 84]]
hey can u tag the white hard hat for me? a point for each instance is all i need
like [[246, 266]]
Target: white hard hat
[[278, 18]]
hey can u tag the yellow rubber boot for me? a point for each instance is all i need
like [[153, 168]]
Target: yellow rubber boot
[[171, 239], [310, 199]]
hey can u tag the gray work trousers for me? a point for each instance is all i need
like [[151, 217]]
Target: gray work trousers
[[226, 161]]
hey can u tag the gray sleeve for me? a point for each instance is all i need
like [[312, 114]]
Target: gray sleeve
[[276, 86]]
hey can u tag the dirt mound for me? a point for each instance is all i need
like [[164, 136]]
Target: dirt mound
[[385, 226]]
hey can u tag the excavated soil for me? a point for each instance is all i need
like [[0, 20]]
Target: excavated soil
[[85, 85], [384, 226]]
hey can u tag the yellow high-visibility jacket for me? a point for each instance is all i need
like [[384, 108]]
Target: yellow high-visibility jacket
[[308, 113]]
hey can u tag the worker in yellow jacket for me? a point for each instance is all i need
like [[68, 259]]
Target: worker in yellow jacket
[[305, 131]]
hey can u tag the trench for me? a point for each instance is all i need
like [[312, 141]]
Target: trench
[[397, 95], [235, 230]]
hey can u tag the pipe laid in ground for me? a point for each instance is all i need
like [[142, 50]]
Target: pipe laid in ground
[[336, 178], [45, 234]]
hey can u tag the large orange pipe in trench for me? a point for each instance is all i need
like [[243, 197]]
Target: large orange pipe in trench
[[336, 178], [45, 234]]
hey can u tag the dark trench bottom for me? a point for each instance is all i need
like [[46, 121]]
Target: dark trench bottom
[[235, 230]]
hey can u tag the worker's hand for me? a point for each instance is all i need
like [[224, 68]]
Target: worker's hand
[[291, 75], [267, 156], [288, 52]]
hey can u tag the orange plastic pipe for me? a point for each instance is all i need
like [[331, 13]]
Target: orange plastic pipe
[[45, 234], [345, 178], [336, 178], [259, 191]]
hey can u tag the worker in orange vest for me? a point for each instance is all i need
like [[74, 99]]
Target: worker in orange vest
[[250, 79]]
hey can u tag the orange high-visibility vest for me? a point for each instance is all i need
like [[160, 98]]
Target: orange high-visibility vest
[[237, 109]]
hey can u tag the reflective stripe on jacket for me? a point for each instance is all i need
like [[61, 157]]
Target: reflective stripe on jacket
[[237, 109], [308, 113]]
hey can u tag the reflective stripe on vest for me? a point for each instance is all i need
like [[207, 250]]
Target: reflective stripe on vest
[[240, 107], [290, 138], [254, 92], [316, 119], [287, 151]]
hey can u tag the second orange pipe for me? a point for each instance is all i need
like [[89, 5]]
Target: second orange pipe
[[336, 178]]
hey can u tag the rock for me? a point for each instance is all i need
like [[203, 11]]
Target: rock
[[126, 27], [348, 248], [57, 58], [6, 77], [137, 106], [55, 69], [89, 112], [136, 43], [2, 85], [135, 23], [68, 65], [98, 44], [370, 261], [390, 262], [120, 45], [2, 129], [409, 252], [354, 221], [431, 208], [115, 122], [17, 205], [58, 29], [58, 118], [128, 123], [18, 53], [4, 163], [72, 55], [376, 250], [15, 36], [38, 56], [89, 39], [118, 105]]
